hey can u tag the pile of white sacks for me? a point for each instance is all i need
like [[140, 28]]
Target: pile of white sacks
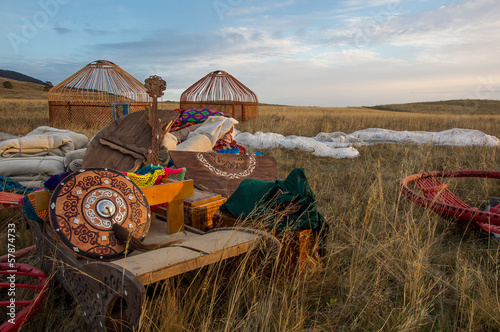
[[44, 152]]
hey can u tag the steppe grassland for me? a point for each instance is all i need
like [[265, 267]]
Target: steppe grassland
[[391, 265]]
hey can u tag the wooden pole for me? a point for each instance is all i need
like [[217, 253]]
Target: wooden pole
[[155, 86]]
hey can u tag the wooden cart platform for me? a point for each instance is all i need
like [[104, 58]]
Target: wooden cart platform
[[97, 285]]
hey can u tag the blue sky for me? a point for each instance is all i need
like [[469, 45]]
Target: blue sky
[[293, 52]]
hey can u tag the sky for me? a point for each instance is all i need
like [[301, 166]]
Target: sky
[[290, 52]]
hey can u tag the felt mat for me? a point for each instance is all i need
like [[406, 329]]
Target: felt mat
[[123, 144]]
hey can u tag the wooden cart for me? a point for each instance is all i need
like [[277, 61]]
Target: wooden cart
[[100, 284], [97, 285]]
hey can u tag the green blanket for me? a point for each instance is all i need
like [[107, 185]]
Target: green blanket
[[264, 200]]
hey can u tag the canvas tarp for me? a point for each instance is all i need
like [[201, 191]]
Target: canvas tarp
[[31, 171]]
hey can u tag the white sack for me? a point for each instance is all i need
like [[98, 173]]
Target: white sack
[[74, 155], [196, 143], [214, 128], [169, 142], [455, 137], [32, 168]]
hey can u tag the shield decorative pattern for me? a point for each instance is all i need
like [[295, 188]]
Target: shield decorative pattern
[[84, 206]]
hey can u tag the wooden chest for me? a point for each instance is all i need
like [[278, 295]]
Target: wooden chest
[[200, 209], [300, 251]]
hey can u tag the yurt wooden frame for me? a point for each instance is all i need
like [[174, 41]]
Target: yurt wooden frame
[[221, 92], [91, 97]]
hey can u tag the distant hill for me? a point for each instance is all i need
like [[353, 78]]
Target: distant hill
[[462, 106], [14, 75], [22, 90]]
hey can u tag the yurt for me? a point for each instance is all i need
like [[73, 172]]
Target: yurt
[[95, 95], [221, 92]]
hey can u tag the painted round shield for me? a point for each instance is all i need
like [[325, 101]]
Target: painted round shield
[[84, 206]]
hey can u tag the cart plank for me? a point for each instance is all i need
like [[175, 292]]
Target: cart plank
[[194, 252]]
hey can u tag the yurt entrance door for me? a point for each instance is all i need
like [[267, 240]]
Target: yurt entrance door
[[120, 109], [239, 111]]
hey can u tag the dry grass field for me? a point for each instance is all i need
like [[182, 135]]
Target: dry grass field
[[390, 265]]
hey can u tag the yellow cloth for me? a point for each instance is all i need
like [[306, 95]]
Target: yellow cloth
[[146, 180]]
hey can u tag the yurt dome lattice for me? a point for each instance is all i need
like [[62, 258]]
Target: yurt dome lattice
[[95, 95], [221, 92]]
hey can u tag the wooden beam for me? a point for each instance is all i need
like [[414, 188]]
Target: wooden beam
[[175, 216], [168, 192], [42, 199]]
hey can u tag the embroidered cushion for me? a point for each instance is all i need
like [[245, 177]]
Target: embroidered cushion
[[197, 115]]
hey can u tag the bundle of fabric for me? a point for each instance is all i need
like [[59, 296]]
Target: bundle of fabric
[[43, 141], [31, 171], [73, 160], [202, 131], [6, 136], [33, 159]]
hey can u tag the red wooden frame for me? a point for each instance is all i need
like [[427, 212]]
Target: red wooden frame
[[31, 306], [436, 196]]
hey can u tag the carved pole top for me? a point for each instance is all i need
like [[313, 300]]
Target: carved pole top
[[155, 86]]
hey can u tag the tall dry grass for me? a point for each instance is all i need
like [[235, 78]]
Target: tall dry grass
[[20, 116], [390, 265]]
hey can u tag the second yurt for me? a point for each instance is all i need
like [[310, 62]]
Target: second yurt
[[221, 92]]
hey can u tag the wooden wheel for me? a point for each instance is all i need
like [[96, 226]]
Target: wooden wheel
[[85, 205]]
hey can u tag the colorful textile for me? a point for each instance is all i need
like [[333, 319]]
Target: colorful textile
[[10, 185], [227, 142], [148, 169], [230, 151], [146, 180], [152, 175], [223, 144], [178, 125], [178, 176], [31, 212], [198, 115], [54, 180]]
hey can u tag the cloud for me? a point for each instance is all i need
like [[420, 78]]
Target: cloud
[[326, 58], [95, 32], [228, 44], [361, 61], [240, 10], [355, 5], [61, 30]]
